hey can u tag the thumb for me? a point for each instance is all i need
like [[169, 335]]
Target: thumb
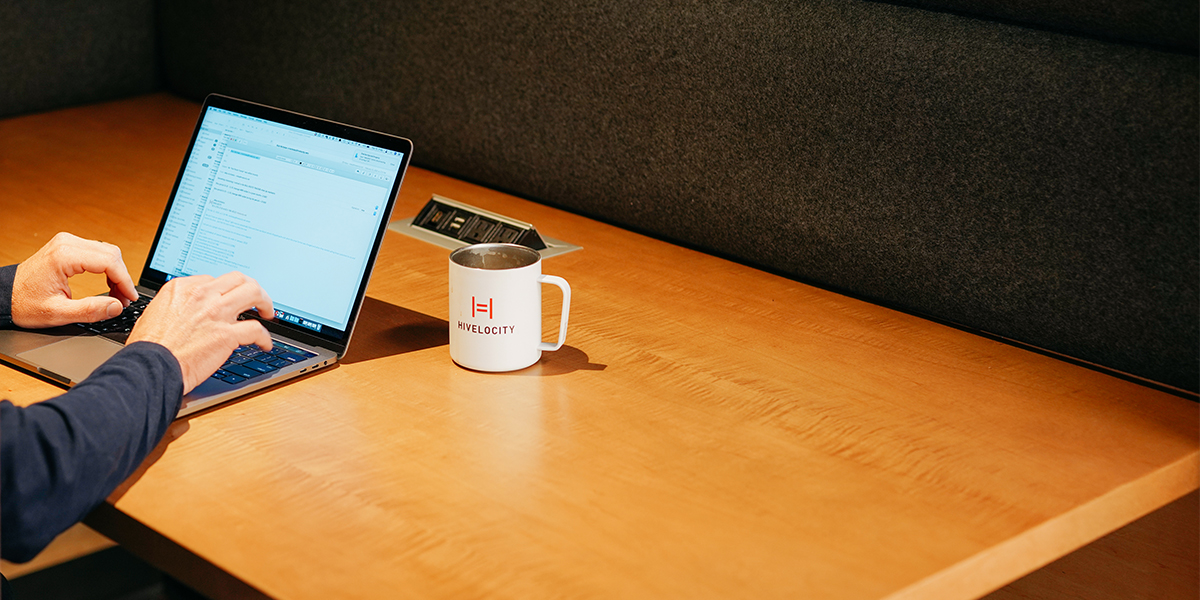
[[86, 310]]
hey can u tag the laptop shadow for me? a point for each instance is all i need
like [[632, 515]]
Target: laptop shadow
[[385, 329]]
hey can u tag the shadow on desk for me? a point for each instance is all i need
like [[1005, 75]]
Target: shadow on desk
[[174, 432], [385, 329], [567, 359]]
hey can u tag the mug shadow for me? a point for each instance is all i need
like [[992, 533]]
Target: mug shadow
[[385, 329], [567, 359]]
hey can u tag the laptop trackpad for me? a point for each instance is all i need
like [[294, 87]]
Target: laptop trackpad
[[73, 358]]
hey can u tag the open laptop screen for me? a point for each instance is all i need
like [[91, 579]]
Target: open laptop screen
[[297, 203]]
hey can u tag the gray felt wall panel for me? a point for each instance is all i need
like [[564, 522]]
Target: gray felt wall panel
[[63, 52], [1036, 185], [1170, 24]]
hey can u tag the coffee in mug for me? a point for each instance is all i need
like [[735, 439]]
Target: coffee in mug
[[496, 307]]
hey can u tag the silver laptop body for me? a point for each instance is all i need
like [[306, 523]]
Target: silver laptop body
[[301, 204]]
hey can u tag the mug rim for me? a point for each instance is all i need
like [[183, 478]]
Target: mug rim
[[526, 250]]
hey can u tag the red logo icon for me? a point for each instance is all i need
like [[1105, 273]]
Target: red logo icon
[[478, 307]]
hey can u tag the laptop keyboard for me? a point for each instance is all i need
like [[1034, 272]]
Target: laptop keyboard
[[121, 323], [246, 362]]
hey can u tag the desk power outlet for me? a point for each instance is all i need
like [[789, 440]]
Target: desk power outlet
[[451, 224], [475, 226]]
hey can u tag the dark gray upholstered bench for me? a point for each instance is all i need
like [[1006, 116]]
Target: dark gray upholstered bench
[[1023, 168]]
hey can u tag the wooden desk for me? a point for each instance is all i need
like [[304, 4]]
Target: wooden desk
[[709, 431]]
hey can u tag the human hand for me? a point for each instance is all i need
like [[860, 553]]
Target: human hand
[[196, 319], [41, 296]]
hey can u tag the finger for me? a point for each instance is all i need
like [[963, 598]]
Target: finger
[[124, 291], [86, 310], [99, 257], [115, 291], [252, 332], [265, 306], [249, 295]]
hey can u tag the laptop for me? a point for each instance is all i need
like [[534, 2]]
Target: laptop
[[300, 204]]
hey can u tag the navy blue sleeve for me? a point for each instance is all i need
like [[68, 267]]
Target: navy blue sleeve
[[7, 274], [61, 458]]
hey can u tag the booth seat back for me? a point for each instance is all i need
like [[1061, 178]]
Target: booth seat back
[[1026, 168], [1035, 183], [57, 53]]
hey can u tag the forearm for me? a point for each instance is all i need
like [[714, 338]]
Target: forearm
[[60, 458]]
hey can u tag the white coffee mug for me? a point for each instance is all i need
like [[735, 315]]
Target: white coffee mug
[[496, 307]]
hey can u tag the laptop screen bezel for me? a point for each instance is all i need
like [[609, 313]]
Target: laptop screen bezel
[[154, 280]]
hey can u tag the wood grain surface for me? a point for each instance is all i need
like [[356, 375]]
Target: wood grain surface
[[708, 431]]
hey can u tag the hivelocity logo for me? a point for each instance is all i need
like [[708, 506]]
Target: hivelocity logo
[[488, 329], [478, 308]]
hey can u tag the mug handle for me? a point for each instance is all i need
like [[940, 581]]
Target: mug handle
[[566, 309]]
